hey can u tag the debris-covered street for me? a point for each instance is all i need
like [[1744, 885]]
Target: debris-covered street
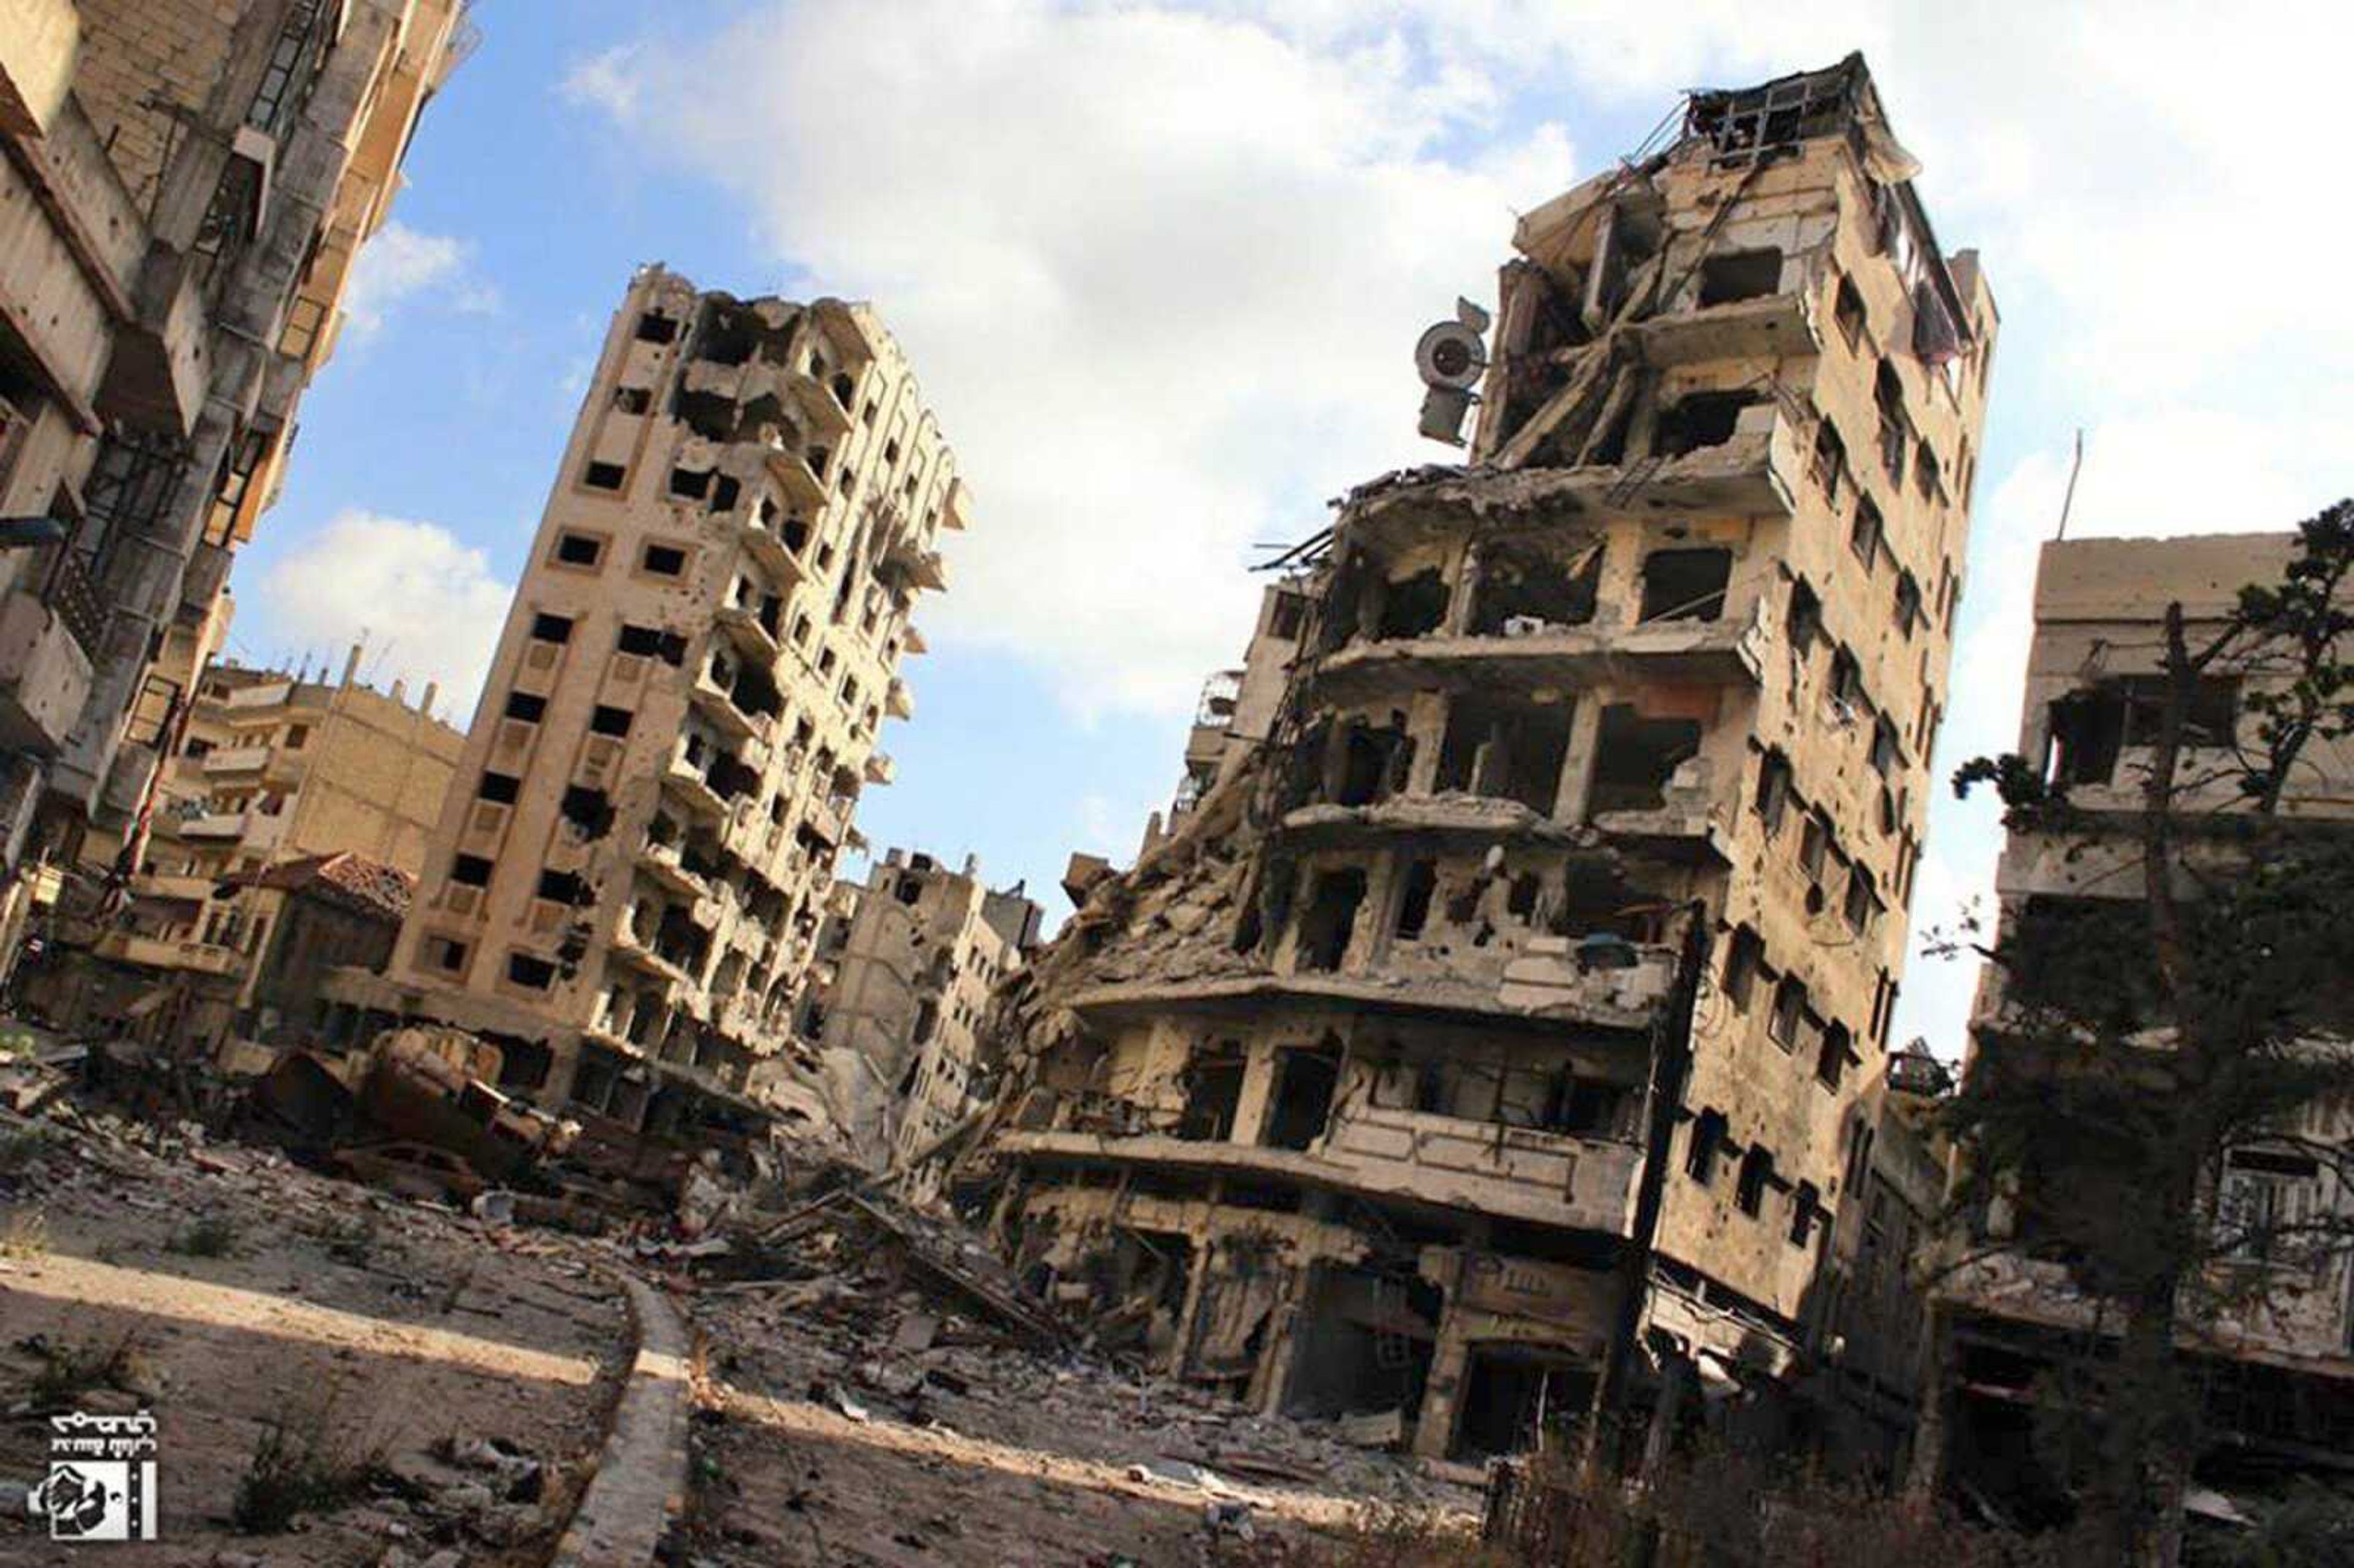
[[342, 1375], [338, 1375]]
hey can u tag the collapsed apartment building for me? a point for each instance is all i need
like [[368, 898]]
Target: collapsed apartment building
[[1495, 1037], [187, 186], [2272, 1335], [629, 871], [282, 791], [900, 985]]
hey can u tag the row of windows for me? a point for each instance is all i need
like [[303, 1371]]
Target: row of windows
[[1821, 858], [1755, 1176], [1792, 1020], [585, 552]]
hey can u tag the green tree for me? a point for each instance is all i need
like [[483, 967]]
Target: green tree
[[2142, 1042]]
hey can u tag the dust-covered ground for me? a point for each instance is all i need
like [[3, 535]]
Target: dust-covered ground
[[367, 1380]]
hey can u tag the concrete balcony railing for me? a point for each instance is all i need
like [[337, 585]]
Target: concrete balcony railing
[[234, 759], [162, 953], [1720, 652], [1546, 1178], [44, 674]]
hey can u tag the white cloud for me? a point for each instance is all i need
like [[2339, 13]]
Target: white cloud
[[398, 265], [1161, 274], [428, 607]]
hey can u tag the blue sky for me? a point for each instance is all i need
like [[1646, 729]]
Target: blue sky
[[1162, 269]]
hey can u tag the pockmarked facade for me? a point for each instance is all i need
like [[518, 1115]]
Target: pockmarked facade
[[1489, 1042]]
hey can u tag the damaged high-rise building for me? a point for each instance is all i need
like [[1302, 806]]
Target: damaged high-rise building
[[685, 702], [903, 967], [187, 188], [1495, 1037]]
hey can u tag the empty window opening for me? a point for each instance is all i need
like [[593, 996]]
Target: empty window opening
[[1756, 1175], [1846, 309], [653, 643], [2091, 729], [551, 628], [1828, 466], [1806, 1207], [1846, 686], [563, 887], [1908, 603], [1523, 588], [1887, 752], [1412, 606], [609, 721], [1705, 1146], [1742, 965], [1283, 621], [1213, 1081], [525, 706], [531, 972], [632, 399], [1504, 749], [1740, 275], [1790, 1012], [604, 476], [579, 549], [1896, 429], [1331, 918], [1413, 908], [1831, 1055], [728, 336], [1864, 536], [1634, 756], [502, 788], [663, 560], [1685, 585], [1773, 789], [470, 870], [1803, 620], [445, 953], [588, 809], [694, 483], [1372, 761], [656, 328], [1700, 420], [725, 490], [1304, 1078]]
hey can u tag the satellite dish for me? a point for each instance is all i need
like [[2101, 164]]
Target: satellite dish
[[1450, 355]]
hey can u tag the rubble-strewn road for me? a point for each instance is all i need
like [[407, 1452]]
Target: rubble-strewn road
[[864, 1418], [472, 1367]]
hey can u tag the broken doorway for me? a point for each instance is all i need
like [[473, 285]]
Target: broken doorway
[[1305, 1077], [1516, 1400]]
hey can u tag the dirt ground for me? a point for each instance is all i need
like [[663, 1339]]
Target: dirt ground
[[847, 1424], [454, 1375]]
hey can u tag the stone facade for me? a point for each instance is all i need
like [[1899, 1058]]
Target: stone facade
[[1493, 1037]]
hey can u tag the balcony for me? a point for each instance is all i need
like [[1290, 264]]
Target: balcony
[[714, 702], [880, 768], [803, 484], [1770, 327], [1518, 1173], [764, 545], [898, 701], [666, 865], [174, 889], [162, 953], [1546, 980], [45, 673], [691, 791], [232, 759], [215, 825], [745, 628], [847, 328], [1714, 653], [629, 950], [817, 404]]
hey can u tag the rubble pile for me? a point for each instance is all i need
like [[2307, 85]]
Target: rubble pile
[[882, 1330]]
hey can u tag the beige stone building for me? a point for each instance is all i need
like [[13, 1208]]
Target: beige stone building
[[270, 770], [631, 867], [2276, 1365], [1498, 1030], [185, 186], [907, 964]]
